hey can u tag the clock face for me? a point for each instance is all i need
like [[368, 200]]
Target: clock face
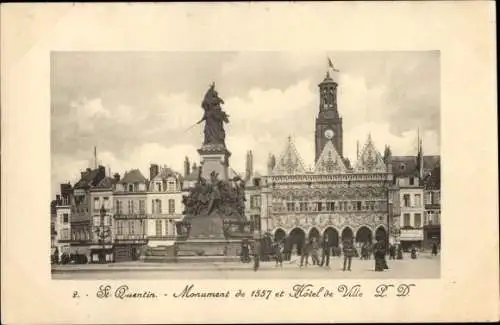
[[329, 134]]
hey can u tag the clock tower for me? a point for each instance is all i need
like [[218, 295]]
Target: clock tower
[[328, 122]]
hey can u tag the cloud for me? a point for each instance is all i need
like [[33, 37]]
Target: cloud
[[138, 108], [177, 111], [271, 104]]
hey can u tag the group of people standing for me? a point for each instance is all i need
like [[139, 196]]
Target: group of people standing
[[320, 250], [348, 251]]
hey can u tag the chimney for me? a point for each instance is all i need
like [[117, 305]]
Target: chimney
[[116, 177], [249, 166], [154, 169], [58, 199], [186, 167]]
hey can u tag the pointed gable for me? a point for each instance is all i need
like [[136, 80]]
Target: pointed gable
[[370, 160], [289, 162], [330, 162]]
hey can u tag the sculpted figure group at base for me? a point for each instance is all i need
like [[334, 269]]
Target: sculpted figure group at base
[[226, 198]]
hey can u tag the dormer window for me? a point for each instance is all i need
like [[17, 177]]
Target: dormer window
[[402, 166], [158, 187], [171, 185], [130, 187]]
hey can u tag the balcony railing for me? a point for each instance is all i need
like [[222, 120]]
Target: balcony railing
[[164, 215], [166, 237], [138, 215], [130, 237]]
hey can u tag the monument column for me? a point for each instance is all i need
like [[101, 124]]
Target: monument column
[[214, 158]]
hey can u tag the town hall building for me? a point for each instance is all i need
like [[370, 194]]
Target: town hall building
[[333, 199]]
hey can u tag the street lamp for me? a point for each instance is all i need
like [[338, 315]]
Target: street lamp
[[102, 232]]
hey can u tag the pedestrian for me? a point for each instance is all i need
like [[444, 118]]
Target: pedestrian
[[256, 254], [325, 248], [278, 253], [379, 254], [386, 267], [364, 252], [413, 252], [287, 250], [315, 251], [306, 250], [434, 249], [348, 251], [399, 252]]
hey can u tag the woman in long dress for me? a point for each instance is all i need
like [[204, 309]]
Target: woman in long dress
[[379, 254]]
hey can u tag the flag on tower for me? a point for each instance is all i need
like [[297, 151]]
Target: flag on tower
[[330, 63]]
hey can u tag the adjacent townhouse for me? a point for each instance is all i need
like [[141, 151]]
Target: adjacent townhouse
[[163, 205], [130, 220]]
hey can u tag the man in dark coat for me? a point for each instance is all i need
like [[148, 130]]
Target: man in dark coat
[[434, 249], [256, 253], [306, 250], [348, 251], [399, 252], [392, 252], [325, 248]]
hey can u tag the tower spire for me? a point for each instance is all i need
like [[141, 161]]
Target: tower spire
[[95, 157]]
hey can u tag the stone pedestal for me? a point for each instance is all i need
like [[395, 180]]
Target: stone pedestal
[[214, 158], [209, 227], [208, 248]]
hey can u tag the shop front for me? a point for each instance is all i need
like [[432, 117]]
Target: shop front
[[410, 238], [101, 254], [432, 234], [129, 250]]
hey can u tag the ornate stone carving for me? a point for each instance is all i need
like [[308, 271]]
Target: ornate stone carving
[[330, 162]]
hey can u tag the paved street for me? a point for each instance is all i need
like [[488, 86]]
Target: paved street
[[424, 267]]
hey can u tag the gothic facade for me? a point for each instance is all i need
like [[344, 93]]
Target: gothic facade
[[332, 199]]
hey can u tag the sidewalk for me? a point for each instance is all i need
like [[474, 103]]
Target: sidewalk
[[149, 266], [209, 266]]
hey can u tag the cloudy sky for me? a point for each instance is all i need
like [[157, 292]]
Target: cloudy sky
[[136, 107]]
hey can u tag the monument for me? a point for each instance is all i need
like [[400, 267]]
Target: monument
[[214, 218]]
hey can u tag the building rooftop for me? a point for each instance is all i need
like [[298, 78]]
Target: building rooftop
[[90, 177], [106, 182], [406, 166], [133, 176], [433, 180]]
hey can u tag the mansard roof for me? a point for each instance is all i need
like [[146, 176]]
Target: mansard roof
[[370, 160], [133, 176], [407, 166], [89, 178], [290, 162], [106, 182], [330, 162]]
